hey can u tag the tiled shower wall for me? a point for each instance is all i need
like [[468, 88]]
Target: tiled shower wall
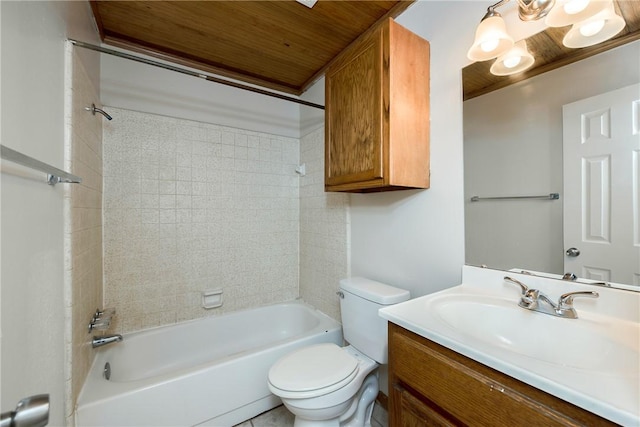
[[324, 231], [83, 224], [190, 207]]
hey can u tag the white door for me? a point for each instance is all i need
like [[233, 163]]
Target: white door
[[602, 186]]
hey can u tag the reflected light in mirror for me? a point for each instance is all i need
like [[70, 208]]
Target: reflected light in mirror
[[597, 29], [569, 12]]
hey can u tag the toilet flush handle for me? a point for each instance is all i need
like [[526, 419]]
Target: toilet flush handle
[[340, 294]]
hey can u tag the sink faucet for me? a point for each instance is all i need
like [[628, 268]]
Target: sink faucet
[[533, 299], [105, 339]]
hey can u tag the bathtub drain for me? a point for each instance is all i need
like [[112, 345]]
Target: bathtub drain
[[107, 371]]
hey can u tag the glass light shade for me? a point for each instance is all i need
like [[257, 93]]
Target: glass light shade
[[597, 29], [491, 40], [568, 12], [516, 60]]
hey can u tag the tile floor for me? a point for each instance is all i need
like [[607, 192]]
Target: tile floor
[[281, 417]]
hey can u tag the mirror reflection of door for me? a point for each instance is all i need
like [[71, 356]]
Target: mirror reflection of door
[[601, 143], [513, 146]]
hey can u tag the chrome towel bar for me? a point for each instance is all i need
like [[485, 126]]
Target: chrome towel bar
[[54, 175], [552, 196]]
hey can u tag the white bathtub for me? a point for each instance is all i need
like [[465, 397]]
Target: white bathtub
[[209, 372]]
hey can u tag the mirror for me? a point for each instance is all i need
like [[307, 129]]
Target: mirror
[[513, 146]]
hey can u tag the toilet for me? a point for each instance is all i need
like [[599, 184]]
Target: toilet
[[328, 385]]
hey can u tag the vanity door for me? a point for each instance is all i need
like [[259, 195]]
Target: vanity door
[[431, 385]]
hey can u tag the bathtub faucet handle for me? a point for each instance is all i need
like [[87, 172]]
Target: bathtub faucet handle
[[101, 319], [105, 312]]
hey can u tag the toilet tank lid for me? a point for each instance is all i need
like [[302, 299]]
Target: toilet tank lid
[[374, 291]]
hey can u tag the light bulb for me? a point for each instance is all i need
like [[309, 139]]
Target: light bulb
[[491, 41], [592, 28], [516, 60], [512, 61], [489, 45], [575, 6]]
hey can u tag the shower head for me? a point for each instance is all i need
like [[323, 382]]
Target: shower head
[[95, 110]]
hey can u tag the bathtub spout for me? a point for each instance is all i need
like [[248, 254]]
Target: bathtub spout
[[106, 339]]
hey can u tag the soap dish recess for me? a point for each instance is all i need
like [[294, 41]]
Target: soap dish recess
[[212, 298]]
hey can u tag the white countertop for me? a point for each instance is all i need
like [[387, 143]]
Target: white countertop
[[604, 382]]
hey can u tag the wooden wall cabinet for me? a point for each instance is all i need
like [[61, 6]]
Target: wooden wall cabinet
[[377, 113], [430, 385]]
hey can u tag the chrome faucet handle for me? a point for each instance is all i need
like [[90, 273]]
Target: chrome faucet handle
[[106, 313], [565, 303], [524, 287], [99, 324], [529, 297], [566, 300]]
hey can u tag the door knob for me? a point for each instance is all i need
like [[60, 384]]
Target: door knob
[[31, 412], [573, 252]]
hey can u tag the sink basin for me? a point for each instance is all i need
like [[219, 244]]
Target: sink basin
[[589, 343], [592, 361]]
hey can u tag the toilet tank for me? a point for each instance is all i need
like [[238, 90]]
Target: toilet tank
[[362, 327]]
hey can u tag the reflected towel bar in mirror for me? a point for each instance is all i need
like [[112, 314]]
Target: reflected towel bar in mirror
[[552, 196]]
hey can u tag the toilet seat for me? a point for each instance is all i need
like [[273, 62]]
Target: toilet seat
[[313, 371]]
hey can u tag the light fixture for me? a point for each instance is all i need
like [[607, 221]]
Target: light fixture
[[492, 39], [532, 10], [594, 30], [594, 21], [569, 12], [516, 60]]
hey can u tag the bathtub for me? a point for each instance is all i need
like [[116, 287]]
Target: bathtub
[[208, 372]]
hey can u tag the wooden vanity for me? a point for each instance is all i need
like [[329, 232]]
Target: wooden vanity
[[431, 385]]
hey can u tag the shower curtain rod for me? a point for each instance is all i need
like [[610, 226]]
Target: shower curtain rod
[[191, 73]]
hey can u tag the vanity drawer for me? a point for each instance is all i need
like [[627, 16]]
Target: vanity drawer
[[466, 392]]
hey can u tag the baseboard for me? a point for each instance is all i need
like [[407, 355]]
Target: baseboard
[[383, 400]]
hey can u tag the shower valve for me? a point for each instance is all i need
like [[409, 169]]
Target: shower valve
[[101, 319]]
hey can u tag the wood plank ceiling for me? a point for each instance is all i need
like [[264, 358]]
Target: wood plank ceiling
[[280, 45], [549, 53]]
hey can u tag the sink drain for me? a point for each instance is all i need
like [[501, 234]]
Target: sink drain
[[106, 372]]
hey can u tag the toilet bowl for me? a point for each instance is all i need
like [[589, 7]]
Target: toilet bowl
[[325, 393], [327, 385]]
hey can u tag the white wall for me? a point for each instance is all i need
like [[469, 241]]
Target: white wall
[[32, 83], [513, 146], [139, 87], [415, 239], [83, 218]]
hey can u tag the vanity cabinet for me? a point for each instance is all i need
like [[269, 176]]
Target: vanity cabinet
[[431, 385], [377, 113]]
